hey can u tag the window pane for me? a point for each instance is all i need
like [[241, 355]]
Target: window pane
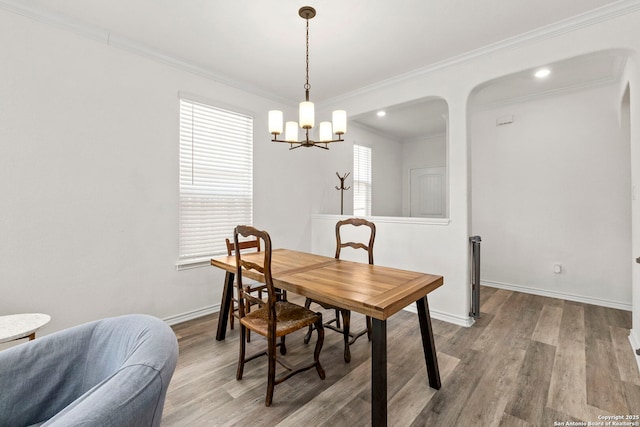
[[361, 180], [216, 178]]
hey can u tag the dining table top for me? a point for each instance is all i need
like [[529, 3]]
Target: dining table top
[[373, 290]]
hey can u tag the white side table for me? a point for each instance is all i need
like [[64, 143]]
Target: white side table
[[17, 326]]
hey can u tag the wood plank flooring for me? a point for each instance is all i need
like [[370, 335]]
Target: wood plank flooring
[[528, 361]]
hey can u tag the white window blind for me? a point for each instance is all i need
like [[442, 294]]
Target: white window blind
[[361, 180], [216, 179]]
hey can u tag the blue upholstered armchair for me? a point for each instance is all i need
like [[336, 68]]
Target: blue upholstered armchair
[[112, 372]]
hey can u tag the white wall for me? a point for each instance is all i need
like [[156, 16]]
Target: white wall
[[553, 187], [454, 81], [89, 179], [631, 79], [386, 176]]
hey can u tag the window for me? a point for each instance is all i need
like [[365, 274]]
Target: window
[[361, 180], [216, 179]]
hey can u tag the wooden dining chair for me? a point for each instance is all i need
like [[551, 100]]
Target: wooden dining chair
[[250, 286], [276, 319], [334, 324]]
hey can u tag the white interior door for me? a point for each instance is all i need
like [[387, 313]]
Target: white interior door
[[428, 192]]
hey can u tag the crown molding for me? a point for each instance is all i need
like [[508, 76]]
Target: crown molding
[[604, 13], [55, 19], [365, 127], [130, 46], [426, 137], [120, 42], [592, 17]]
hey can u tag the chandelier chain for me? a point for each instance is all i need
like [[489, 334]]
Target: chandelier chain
[[307, 86]]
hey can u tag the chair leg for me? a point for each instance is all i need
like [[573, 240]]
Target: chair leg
[[283, 347], [307, 338], [337, 318], [271, 374], [319, 343], [346, 320], [248, 310], [231, 316], [242, 352]]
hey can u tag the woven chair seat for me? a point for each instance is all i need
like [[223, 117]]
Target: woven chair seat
[[274, 318], [291, 317]]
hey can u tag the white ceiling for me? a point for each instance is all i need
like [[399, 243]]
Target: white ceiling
[[260, 44], [425, 117]]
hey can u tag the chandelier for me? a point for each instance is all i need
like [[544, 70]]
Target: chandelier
[[337, 126]]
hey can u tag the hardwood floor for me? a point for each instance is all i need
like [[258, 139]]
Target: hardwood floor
[[528, 361]]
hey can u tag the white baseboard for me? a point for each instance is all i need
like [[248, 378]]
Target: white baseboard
[[561, 295], [635, 343], [190, 315], [445, 317]]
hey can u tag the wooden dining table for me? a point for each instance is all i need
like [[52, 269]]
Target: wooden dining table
[[373, 290]]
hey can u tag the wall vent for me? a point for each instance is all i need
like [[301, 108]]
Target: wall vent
[[504, 120]]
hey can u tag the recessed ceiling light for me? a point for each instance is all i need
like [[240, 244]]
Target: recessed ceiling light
[[381, 113], [542, 73]]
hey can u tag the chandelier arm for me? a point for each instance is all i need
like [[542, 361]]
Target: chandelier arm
[[310, 142], [315, 145]]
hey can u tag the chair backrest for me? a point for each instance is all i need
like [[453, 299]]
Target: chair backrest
[[247, 244], [263, 267], [357, 222]]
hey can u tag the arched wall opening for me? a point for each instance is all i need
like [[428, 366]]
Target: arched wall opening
[[550, 179]]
